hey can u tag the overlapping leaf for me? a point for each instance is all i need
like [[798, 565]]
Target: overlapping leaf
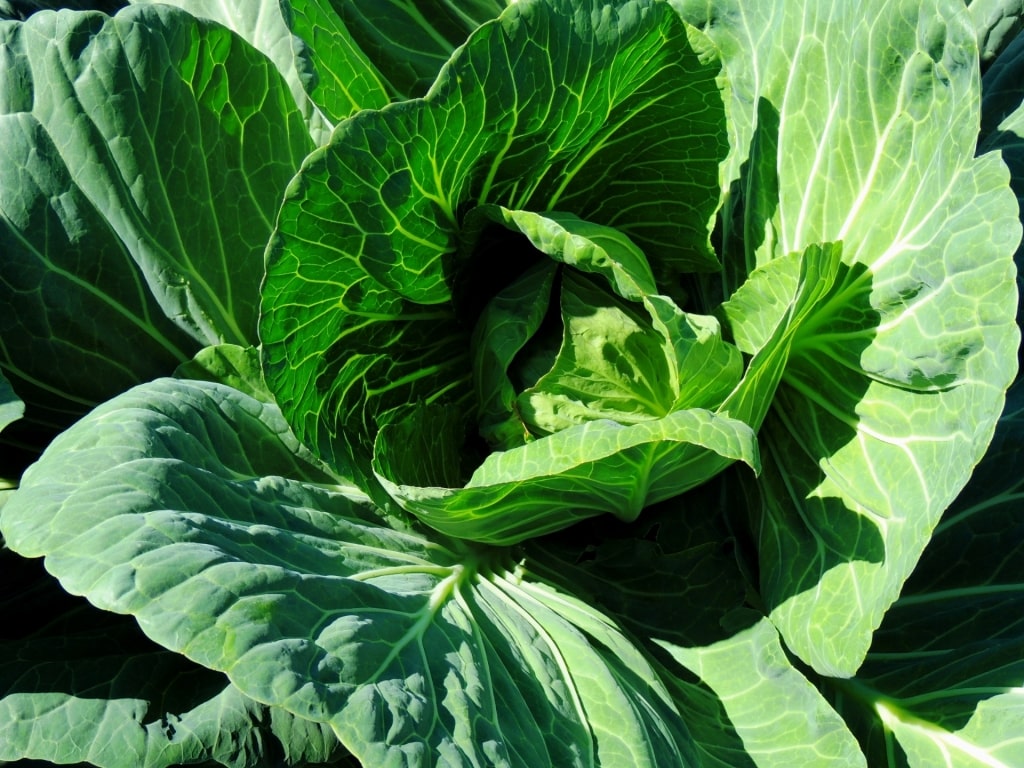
[[361, 307], [621, 419], [190, 506], [143, 158], [78, 685], [858, 126], [672, 579], [409, 41], [943, 682], [328, 75]]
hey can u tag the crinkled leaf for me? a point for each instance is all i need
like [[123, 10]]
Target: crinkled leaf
[[624, 360], [328, 75], [891, 391], [237, 367], [81, 685], [410, 40], [611, 364], [672, 579], [143, 159], [593, 468], [615, 443], [365, 252], [943, 682], [187, 505]]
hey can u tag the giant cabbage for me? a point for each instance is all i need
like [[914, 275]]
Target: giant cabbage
[[618, 360]]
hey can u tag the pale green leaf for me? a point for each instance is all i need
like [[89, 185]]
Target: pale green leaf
[[594, 468], [237, 367], [843, 132], [943, 681], [188, 505], [781, 717]]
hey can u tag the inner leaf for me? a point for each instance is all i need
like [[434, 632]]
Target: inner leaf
[[611, 364]]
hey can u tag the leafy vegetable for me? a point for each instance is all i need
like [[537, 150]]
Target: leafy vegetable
[[90, 688], [587, 382], [134, 218], [231, 548], [388, 286]]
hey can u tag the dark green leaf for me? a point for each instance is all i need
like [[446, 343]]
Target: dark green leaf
[[142, 159]]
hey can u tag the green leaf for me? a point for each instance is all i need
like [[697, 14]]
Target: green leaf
[[593, 468], [672, 579], [997, 23], [409, 42], [781, 717], [82, 685], [796, 288], [509, 321], [643, 359], [11, 406], [611, 364], [188, 505], [196, 253], [328, 75], [365, 259], [585, 245], [892, 388], [237, 367], [134, 217], [942, 682]]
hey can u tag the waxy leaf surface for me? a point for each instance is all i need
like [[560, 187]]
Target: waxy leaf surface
[[191, 506], [858, 125]]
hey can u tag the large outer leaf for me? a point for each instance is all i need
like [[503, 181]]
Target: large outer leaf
[[943, 683], [893, 387], [191, 506], [329, 77], [671, 578], [339, 56], [142, 158], [81, 685], [603, 115]]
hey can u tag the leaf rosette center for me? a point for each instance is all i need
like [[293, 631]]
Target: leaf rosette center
[[468, 299]]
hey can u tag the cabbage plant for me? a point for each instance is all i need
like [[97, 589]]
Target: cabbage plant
[[572, 383]]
